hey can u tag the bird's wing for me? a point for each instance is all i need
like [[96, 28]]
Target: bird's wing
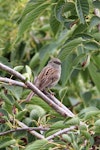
[[46, 78]]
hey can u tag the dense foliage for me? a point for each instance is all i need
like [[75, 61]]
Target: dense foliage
[[32, 32]]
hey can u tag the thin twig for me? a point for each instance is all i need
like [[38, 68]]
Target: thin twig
[[18, 83], [21, 124], [36, 90], [12, 82], [24, 129], [60, 132], [59, 104]]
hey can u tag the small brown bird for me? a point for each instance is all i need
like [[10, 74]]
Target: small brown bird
[[48, 77]]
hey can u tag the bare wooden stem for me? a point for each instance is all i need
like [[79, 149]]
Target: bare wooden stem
[[36, 90], [24, 129], [60, 133], [12, 82]]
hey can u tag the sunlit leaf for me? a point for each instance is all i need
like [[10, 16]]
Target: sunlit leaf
[[69, 47], [39, 144], [30, 17], [31, 5]]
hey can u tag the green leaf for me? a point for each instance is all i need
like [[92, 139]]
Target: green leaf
[[15, 90], [36, 111], [59, 10], [5, 61], [69, 47], [30, 17], [3, 112], [34, 60], [73, 121], [7, 142], [86, 134], [82, 8], [58, 125], [31, 5], [81, 28], [86, 110], [63, 92], [50, 132], [97, 123], [28, 70], [66, 69], [96, 35], [94, 21], [18, 68], [40, 102], [67, 138], [37, 145], [96, 60], [21, 114], [91, 45], [95, 75], [69, 65], [55, 24], [96, 3], [69, 6], [92, 114], [6, 99]]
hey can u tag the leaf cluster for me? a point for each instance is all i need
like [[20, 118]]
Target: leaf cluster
[[31, 33]]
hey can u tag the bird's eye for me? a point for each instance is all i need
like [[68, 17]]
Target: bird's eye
[[57, 62]]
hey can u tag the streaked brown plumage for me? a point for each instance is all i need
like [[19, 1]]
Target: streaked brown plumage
[[48, 77]]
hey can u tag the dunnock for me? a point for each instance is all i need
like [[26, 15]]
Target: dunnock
[[48, 77]]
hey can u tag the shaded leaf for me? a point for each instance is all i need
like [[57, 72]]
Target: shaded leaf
[[95, 20], [15, 90], [91, 45], [59, 10], [55, 24], [3, 112], [86, 134], [82, 8], [96, 3], [7, 142], [95, 75]]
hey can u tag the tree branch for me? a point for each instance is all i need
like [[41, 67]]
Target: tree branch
[[24, 129], [36, 90], [17, 83], [60, 132], [32, 132], [12, 82], [59, 103]]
